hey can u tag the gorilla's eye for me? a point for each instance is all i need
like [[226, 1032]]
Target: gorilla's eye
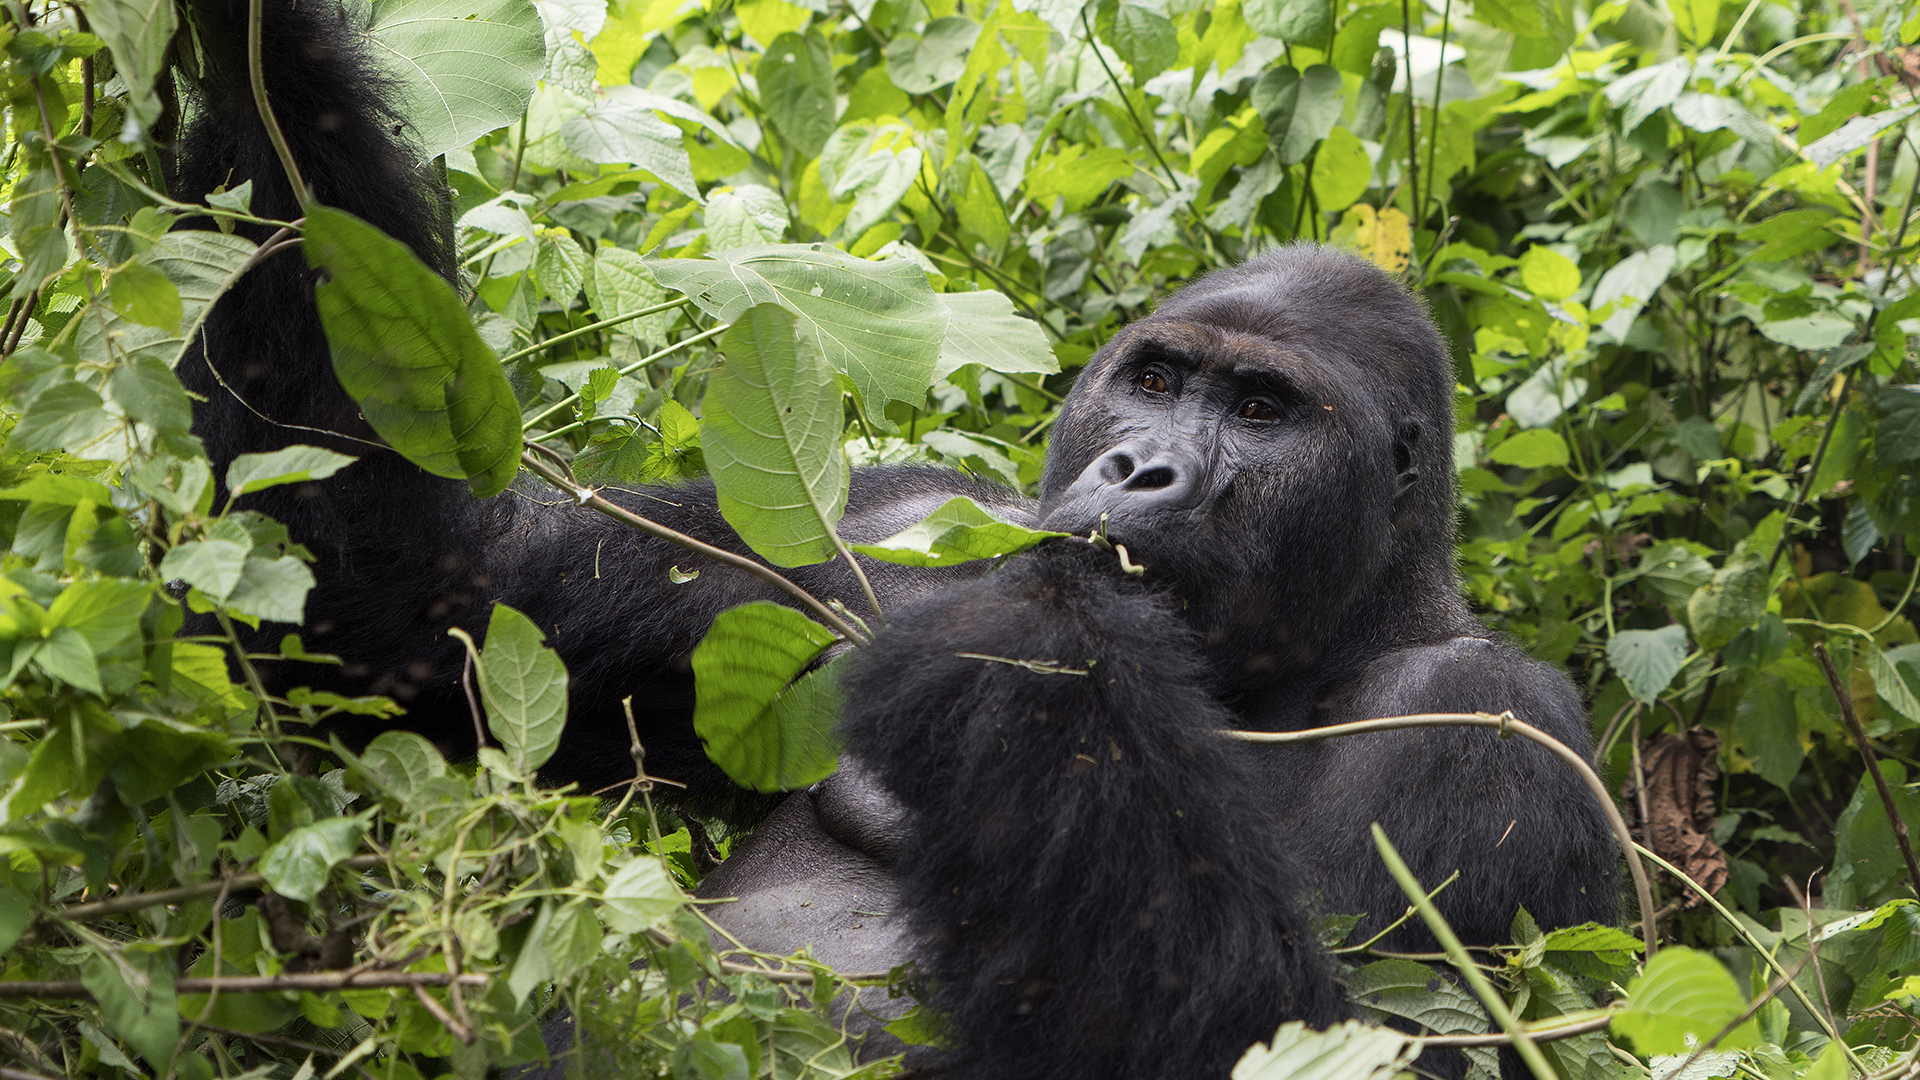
[[1152, 381], [1258, 409]]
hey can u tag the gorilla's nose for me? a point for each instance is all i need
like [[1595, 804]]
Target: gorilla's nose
[[1147, 476]]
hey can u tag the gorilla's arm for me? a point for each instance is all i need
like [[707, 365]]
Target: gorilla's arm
[[1087, 872], [1518, 823]]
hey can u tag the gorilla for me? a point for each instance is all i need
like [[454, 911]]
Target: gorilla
[[1037, 805]]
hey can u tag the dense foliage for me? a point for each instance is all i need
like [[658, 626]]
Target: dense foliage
[[1669, 243]]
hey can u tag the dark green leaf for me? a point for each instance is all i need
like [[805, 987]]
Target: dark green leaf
[[297, 864], [796, 89], [406, 350]]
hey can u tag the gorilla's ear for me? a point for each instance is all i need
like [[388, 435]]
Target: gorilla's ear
[[1404, 445]]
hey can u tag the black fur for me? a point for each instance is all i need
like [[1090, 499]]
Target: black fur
[[1098, 885]]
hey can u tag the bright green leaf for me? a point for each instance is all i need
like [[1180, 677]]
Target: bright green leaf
[[740, 670], [524, 685], [1647, 660], [959, 531], [290, 465], [772, 439], [1532, 449], [297, 864], [1682, 992]]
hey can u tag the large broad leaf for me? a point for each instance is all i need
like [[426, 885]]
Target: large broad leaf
[[290, 465], [135, 992], [1350, 1051], [741, 673], [620, 127], [796, 89], [1683, 993], [959, 531], [404, 347], [524, 684], [464, 67], [1734, 600], [878, 323], [772, 439], [1647, 660], [982, 329], [200, 264]]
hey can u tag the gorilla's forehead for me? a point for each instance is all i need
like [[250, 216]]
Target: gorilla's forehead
[[1234, 353]]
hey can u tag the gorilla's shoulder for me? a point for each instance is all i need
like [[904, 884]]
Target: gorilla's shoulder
[[1468, 674]]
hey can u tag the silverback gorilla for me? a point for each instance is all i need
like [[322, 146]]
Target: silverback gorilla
[[1096, 883]]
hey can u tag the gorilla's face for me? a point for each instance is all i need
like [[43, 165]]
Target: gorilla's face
[[1263, 464]]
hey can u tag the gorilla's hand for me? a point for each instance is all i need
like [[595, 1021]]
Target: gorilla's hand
[[1046, 731]]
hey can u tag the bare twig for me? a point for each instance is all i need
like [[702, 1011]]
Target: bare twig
[[1873, 762], [1505, 723], [454, 1027], [9, 1073], [257, 984], [136, 901], [591, 499], [1547, 1031]]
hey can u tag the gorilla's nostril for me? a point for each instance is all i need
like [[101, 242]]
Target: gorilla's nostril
[[1154, 478], [1117, 467]]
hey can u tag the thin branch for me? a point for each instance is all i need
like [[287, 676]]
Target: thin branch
[[1546, 1032], [591, 499], [258, 984], [256, 77], [1505, 723], [1146, 133], [454, 1027], [1873, 762], [628, 370], [1517, 1033], [603, 324], [1813, 472], [136, 901], [282, 1040]]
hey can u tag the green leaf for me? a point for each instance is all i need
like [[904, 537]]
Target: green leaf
[[1683, 992], [796, 89], [273, 589], [135, 992], [1144, 38], [1789, 234], [212, 566], [16, 914], [939, 56], [959, 531], [880, 324], [750, 215], [1647, 660], [982, 329], [524, 684], [772, 439], [1891, 687], [291, 465], [740, 669], [1347, 1051], [1867, 863], [159, 755], [200, 264], [640, 896], [60, 489], [66, 416], [1341, 171], [1697, 19], [1591, 937], [620, 128], [405, 349], [461, 67], [1734, 600], [143, 294], [138, 33], [1548, 274], [1854, 135], [1301, 22], [1298, 109], [297, 864], [147, 391], [402, 761], [1628, 285], [1532, 449]]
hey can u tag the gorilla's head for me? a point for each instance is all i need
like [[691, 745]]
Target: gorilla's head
[[1275, 444]]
